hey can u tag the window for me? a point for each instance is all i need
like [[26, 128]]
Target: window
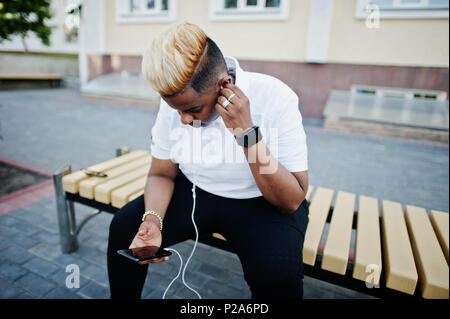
[[403, 8], [142, 11], [244, 10]]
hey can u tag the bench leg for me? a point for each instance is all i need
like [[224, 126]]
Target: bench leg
[[66, 214]]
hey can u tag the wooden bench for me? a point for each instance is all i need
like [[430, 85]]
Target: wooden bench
[[397, 254], [27, 81]]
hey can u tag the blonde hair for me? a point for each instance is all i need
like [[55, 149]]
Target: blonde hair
[[172, 58]]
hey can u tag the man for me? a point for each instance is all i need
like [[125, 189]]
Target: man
[[214, 128]]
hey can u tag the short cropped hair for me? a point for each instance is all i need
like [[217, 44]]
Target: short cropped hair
[[182, 56]]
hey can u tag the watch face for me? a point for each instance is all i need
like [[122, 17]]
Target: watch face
[[250, 137]]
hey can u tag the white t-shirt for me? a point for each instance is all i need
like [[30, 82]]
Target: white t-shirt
[[211, 158]]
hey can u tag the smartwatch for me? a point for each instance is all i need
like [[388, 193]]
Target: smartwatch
[[249, 137]]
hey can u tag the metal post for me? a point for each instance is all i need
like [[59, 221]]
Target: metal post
[[122, 151], [66, 214]]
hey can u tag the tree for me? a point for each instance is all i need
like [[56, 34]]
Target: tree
[[18, 17]]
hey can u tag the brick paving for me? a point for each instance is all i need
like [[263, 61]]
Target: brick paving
[[48, 129]]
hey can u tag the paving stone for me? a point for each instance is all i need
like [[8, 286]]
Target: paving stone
[[10, 291], [40, 266], [16, 254], [43, 236], [94, 290], [66, 259], [16, 237], [11, 271], [215, 272], [95, 273], [36, 285], [62, 293], [216, 289], [45, 251]]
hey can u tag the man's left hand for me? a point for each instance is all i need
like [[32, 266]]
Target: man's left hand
[[236, 115]]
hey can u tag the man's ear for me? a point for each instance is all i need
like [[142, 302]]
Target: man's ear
[[225, 80]]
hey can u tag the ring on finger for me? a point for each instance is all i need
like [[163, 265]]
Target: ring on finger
[[226, 103], [231, 96]]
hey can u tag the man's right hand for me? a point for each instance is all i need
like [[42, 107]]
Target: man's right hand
[[149, 234]]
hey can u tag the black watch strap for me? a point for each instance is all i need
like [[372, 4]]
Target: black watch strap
[[249, 137]]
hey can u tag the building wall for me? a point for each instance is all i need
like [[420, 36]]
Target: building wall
[[402, 42], [405, 53]]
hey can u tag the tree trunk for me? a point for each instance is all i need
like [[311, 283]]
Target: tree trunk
[[22, 36]]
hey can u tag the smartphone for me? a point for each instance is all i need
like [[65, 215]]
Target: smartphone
[[144, 253]]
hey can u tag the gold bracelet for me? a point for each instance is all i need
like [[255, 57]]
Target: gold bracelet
[[151, 212]]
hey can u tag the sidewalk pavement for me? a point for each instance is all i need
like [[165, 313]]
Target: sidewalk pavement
[[49, 129]]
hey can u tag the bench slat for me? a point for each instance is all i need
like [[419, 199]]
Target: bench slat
[[218, 236], [120, 196], [318, 212], [103, 191], [368, 264], [401, 273], [439, 220], [87, 186], [430, 260], [309, 192], [71, 181], [337, 246]]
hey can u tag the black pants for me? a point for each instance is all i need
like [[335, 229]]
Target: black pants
[[268, 243]]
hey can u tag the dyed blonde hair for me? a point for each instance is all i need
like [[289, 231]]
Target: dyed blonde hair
[[172, 58]]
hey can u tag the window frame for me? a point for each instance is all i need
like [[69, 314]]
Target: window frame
[[403, 11], [155, 15], [243, 12]]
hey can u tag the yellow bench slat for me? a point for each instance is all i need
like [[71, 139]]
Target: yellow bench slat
[[368, 263], [318, 212], [401, 273], [103, 191], [337, 245], [87, 186], [218, 236], [439, 220], [120, 196], [430, 260], [309, 192], [71, 181]]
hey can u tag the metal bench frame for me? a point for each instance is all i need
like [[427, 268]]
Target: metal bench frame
[[69, 230]]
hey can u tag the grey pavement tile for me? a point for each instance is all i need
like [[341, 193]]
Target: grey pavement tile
[[40, 266], [215, 272], [45, 251], [91, 254], [93, 290], [16, 237], [10, 291], [11, 271], [62, 293], [44, 236], [95, 273], [215, 289], [60, 276], [36, 285], [16, 254], [67, 259], [8, 221]]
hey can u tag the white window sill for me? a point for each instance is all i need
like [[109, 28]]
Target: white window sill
[[135, 18]]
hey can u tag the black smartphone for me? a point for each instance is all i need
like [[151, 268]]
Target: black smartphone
[[144, 253]]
